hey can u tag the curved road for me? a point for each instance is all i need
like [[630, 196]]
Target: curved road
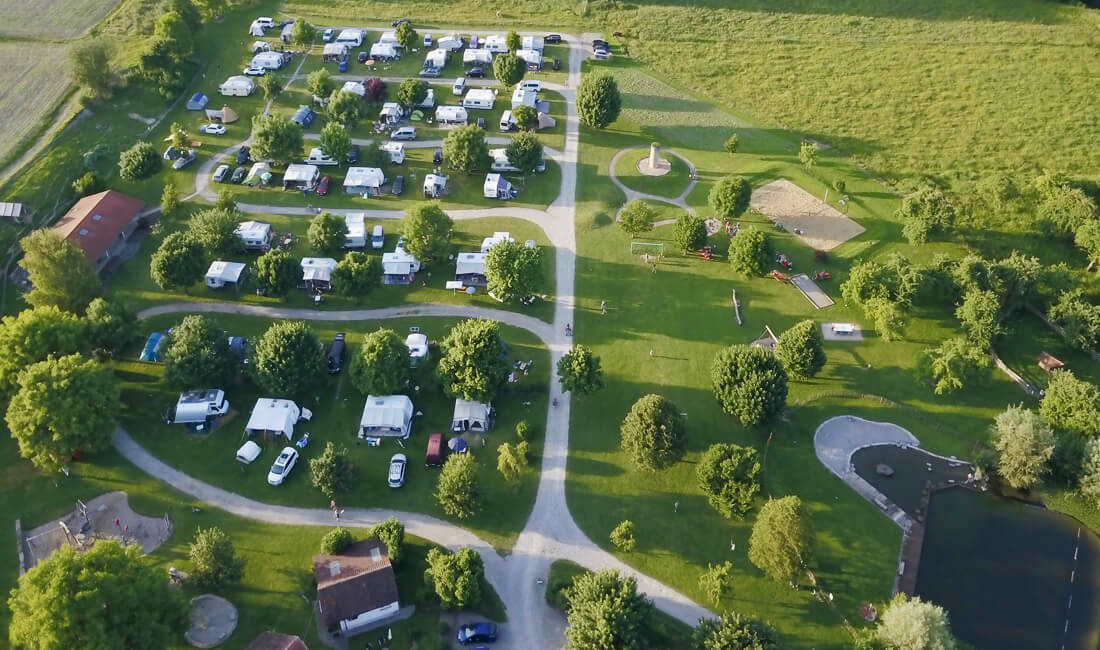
[[550, 532], [679, 201]]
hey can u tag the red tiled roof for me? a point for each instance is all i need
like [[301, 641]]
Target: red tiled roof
[[96, 221], [276, 641], [358, 580]]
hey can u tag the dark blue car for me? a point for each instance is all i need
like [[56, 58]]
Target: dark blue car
[[483, 632]]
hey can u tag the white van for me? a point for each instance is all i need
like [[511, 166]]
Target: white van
[[531, 84], [507, 122], [318, 157], [459, 87], [403, 133], [266, 22], [377, 237]]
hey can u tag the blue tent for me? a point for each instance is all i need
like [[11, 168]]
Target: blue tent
[[153, 347], [457, 445], [197, 102]]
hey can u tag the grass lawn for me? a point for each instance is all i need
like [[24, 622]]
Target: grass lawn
[[133, 284], [671, 184], [1028, 335], [337, 407]]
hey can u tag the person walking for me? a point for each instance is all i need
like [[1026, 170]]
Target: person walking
[[603, 307]]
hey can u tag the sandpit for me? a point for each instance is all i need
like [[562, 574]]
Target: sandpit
[[106, 517], [815, 222], [212, 620]]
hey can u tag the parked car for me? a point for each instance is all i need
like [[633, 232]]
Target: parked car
[[596, 42], [459, 86], [399, 21], [551, 39], [238, 175], [243, 156], [403, 133], [254, 71], [556, 64], [601, 55], [336, 353], [322, 187], [353, 154], [481, 632], [212, 129], [328, 35], [476, 71], [280, 469], [363, 56], [397, 470], [171, 153], [430, 72], [220, 173], [285, 23], [185, 159], [398, 185], [481, 123], [437, 157], [427, 40]]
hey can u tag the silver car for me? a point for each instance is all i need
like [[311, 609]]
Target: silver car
[[397, 470]]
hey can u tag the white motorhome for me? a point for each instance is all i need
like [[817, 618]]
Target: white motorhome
[[498, 187], [237, 86], [355, 88], [479, 98], [429, 100], [390, 38], [275, 417], [523, 97], [536, 43], [351, 37], [533, 59], [356, 237], [301, 177], [451, 116], [386, 416], [377, 237], [434, 186], [198, 408], [497, 238], [477, 57], [391, 113], [260, 46], [436, 59], [222, 273], [417, 343], [254, 235], [396, 150], [496, 43], [269, 60], [500, 163], [450, 43], [317, 156]]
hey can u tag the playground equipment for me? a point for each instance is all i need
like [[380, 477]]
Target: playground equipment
[[822, 275], [784, 261], [706, 253], [778, 276], [736, 306]]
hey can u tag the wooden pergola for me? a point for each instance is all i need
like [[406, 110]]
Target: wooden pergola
[[1049, 363]]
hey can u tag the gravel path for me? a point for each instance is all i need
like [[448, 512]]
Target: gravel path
[[680, 201]]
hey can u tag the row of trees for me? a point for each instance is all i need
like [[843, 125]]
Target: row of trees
[[728, 198]]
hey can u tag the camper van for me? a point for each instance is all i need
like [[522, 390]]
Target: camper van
[[396, 151], [377, 237], [197, 408], [507, 122], [265, 22], [481, 98], [351, 37], [534, 85], [434, 456], [237, 86], [318, 157], [356, 236], [459, 87], [269, 60]]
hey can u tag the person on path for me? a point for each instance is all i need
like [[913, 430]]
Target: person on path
[[603, 307]]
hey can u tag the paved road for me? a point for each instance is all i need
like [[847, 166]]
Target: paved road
[[550, 532], [679, 201]]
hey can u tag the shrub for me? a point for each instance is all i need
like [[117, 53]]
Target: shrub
[[336, 540]]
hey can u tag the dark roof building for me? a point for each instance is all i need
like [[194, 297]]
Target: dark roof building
[[101, 225], [357, 588]]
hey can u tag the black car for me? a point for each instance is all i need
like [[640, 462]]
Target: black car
[[552, 39], [476, 71], [243, 157], [557, 64], [363, 56], [398, 185], [238, 175], [399, 21], [336, 353], [481, 123], [353, 154], [599, 42], [437, 157]]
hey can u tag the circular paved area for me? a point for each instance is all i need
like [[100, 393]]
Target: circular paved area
[[679, 201], [212, 620]]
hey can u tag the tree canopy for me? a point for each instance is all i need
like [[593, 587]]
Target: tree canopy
[[473, 366], [427, 230], [110, 326], [1079, 320], [801, 349], [927, 211], [406, 35], [979, 314], [277, 272], [302, 32], [512, 462], [139, 162], [1024, 444], [524, 152], [465, 149], [729, 475], [345, 108], [782, 540], [913, 623], [60, 274], [606, 611], [33, 335], [412, 91], [598, 100], [198, 355], [357, 274], [214, 560], [622, 536], [690, 233], [391, 532], [579, 371], [178, 263], [636, 217], [335, 141], [59, 604], [751, 252], [63, 404], [807, 154], [332, 472], [320, 83], [731, 631], [456, 577], [514, 271], [508, 69], [953, 365], [381, 365], [275, 138], [1071, 405], [90, 66], [457, 488], [749, 383], [729, 197], [215, 230], [526, 117], [653, 433], [327, 233], [288, 359]]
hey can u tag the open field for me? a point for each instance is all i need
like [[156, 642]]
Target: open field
[[33, 85], [51, 19]]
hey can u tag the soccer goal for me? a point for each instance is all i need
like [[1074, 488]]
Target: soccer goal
[[651, 247]]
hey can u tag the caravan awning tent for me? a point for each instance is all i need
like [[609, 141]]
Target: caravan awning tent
[[546, 122], [334, 52], [399, 262], [533, 58], [317, 271], [436, 59], [259, 174], [390, 38], [363, 180], [383, 51], [386, 416], [471, 416], [222, 273], [301, 177], [477, 57], [355, 87], [536, 43], [497, 187], [275, 417], [470, 268]]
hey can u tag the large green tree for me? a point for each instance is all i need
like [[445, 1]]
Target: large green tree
[[782, 540], [690, 233], [327, 233], [215, 230], [508, 69], [925, 212], [90, 66], [913, 623], [158, 63], [979, 314], [302, 33], [653, 433], [953, 365], [335, 141], [717, 581], [749, 383], [606, 612], [178, 263], [345, 108], [320, 83], [729, 475], [406, 35], [332, 472], [33, 335], [801, 349], [457, 490], [751, 252], [139, 162], [111, 325], [1065, 210], [1087, 238], [60, 274], [514, 271], [412, 91], [276, 139], [214, 560], [391, 532], [636, 218], [579, 371], [427, 230], [198, 355], [473, 365], [1079, 320], [729, 197], [598, 100], [456, 577], [1024, 443], [288, 359], [172, 27], [357, 274], [63, 404], [1071, 405], [105, 597], [465, 149], [277, 272], [732, 631], [511, 462], [524, 152], [526, 117], [381, 365]]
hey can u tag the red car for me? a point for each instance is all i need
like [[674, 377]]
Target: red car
[[322, 188]]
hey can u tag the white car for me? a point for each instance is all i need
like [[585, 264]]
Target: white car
[[254, 71], [282, 466], [397, 470], [212, 129]]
